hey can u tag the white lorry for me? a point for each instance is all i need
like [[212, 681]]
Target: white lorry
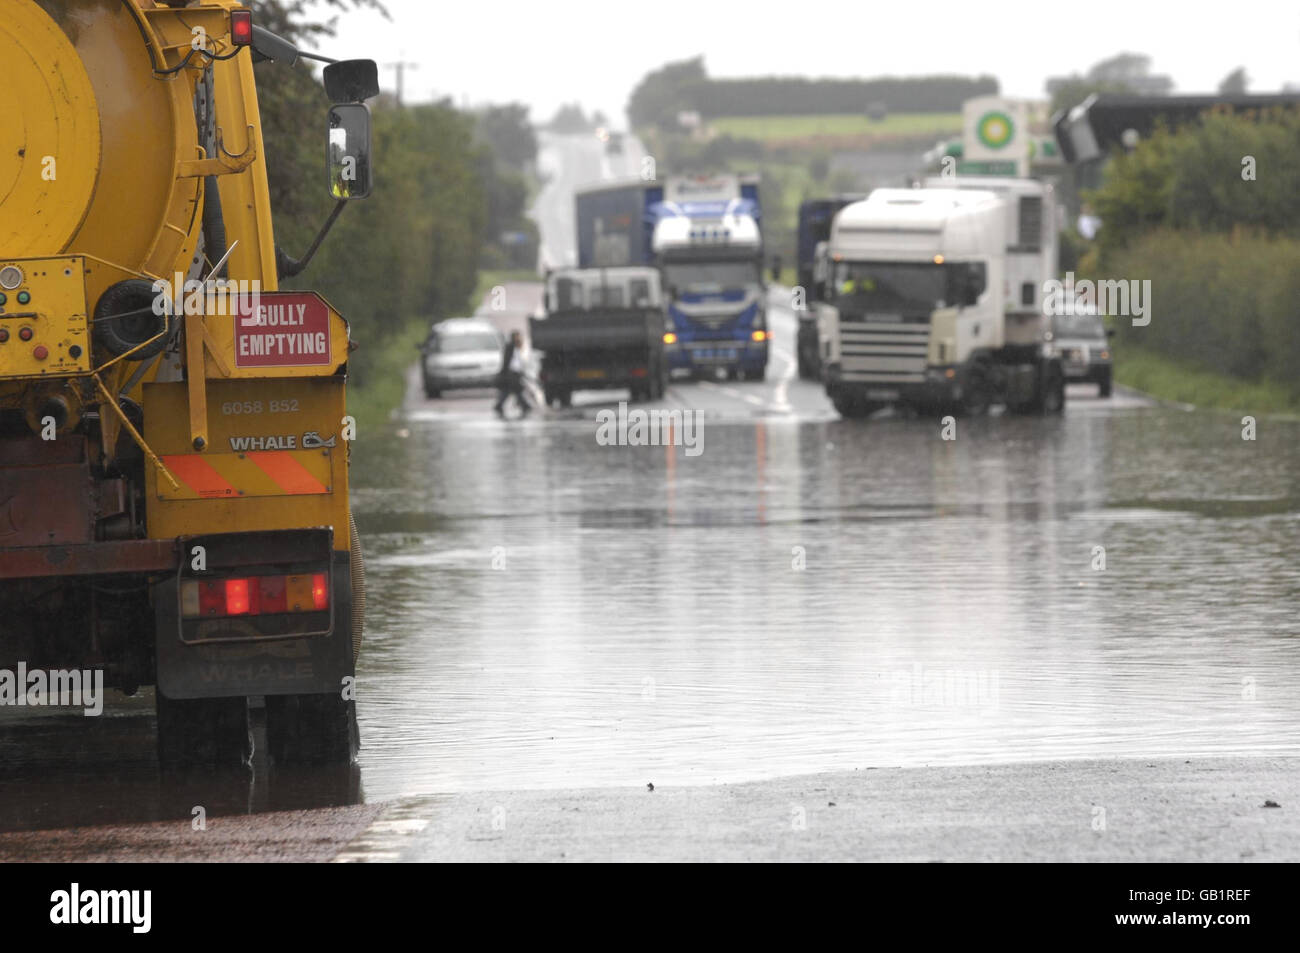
[[932, 298]]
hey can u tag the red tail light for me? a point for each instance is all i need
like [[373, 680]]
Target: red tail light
[[320, 593], [241, 27], [237, 597]]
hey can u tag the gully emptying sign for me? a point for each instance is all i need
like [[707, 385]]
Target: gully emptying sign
[[278, 329]]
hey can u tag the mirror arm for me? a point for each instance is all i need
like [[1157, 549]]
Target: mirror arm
[[287, 266]]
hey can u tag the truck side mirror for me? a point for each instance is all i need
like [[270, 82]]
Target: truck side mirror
[[348, 151], [351, 81]]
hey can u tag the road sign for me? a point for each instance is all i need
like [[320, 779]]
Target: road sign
[[282, 329]]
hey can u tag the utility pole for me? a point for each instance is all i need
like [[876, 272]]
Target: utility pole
[[401, 67]]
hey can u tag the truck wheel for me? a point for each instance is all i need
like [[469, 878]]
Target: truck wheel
[[566, 398], [1104, 385], [1052, 395], [430, 391], [977, 395], [852, 408], [311, 729], [758, 375], [203, 732]]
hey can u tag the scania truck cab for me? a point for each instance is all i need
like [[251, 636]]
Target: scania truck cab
[[931, 299]]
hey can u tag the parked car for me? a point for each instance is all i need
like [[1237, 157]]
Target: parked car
[[460, 353], [1084, 347]]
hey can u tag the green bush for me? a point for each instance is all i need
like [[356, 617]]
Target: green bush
[[1196, 178], [1226, 302]]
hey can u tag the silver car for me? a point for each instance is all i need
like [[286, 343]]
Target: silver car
[[1083, 345], [460, 353]]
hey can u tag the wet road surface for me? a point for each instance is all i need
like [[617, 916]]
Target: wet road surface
[[809, 594]]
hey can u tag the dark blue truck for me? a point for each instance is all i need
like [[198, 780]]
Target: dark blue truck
[[703, 233]]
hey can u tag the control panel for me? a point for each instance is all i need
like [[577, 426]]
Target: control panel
[[44, 330]]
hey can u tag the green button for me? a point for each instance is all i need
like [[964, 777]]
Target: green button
[[24, 297], [4, 299]]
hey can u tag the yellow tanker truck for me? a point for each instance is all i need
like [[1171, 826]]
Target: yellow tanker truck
[[173, 432]]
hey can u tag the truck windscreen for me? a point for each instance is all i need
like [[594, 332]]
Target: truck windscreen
[[889, 286], [703, 277]]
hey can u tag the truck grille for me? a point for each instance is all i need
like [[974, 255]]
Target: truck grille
[[892, 352]]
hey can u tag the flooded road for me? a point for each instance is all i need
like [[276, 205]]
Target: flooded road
[[809, 594]]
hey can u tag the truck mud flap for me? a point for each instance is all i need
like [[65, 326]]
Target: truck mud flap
[[238, 660]]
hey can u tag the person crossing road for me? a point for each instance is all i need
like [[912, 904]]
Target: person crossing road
[[510, 379]]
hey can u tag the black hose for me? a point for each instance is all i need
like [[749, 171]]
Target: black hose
[[214, 224]]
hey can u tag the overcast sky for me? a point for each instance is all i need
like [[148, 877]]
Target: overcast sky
[[546, 53]]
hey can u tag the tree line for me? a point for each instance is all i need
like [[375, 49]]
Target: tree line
[[450, 193], [686, 87], [1210, 213]]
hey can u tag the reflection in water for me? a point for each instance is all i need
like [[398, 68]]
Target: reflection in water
[[650, 621], [71, 771]]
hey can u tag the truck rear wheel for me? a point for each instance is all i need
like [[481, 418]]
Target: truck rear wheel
[[203, 732], [311, 729]]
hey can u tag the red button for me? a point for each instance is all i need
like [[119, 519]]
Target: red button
[[40, 353], [25, 333], [4, 335]]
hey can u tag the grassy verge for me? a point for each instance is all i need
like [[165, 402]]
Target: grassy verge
[[380, 385], [779, 129], [1168, 379]]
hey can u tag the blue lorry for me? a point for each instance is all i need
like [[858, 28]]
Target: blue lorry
[[704, 234]]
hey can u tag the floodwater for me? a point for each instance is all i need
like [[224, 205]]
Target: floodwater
[[809, 594]]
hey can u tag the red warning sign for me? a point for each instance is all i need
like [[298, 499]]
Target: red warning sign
[[282, 328]]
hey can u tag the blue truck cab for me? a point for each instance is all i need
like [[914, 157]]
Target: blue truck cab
[[704, 234], [706, 238]]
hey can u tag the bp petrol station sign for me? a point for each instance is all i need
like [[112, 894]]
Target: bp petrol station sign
[[995, 129], [995, 137]]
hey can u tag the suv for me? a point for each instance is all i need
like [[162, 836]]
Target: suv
[[460, 353], [1080, 340]]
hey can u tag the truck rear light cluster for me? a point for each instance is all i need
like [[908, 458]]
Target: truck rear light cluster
[[254, 595]]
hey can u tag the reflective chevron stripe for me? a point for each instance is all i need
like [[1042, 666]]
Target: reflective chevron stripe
[[226, 476]]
